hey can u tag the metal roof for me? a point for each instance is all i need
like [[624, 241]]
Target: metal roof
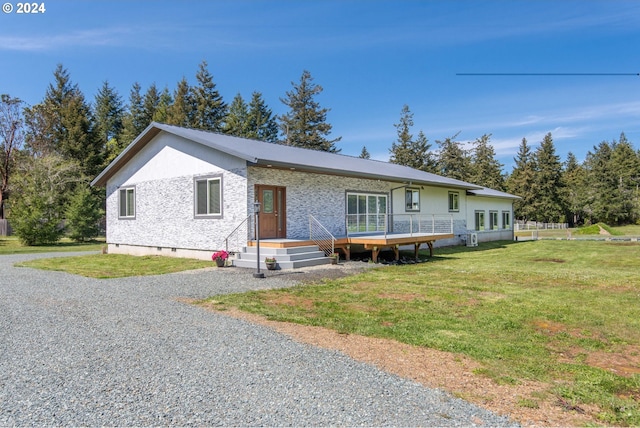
[[281, 156]]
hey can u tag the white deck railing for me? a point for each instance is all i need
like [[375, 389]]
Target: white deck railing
[[399, 223]]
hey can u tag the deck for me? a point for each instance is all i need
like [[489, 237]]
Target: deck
[[371, 242]]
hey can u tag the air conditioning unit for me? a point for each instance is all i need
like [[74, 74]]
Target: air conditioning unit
[[472, 239]]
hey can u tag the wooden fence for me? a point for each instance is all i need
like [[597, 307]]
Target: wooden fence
[[5, 228]]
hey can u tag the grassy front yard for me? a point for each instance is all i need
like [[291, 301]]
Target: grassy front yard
[[562, 312], [11, 245]]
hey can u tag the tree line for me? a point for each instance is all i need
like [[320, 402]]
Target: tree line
[[50, 151]]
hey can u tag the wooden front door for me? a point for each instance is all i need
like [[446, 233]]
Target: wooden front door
[[273, 218]]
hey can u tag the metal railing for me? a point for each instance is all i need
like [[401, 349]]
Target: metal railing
[[237, 239], [399, 223], [321, 236]]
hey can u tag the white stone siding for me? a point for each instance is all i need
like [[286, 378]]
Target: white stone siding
[[163, 177]]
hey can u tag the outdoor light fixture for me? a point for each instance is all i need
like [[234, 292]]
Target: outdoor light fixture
[[256, 212]]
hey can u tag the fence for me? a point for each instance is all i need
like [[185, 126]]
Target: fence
[[532, 225], [5, 228]]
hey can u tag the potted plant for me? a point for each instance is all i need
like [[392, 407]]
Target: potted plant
[[270, 262], [220, 257], [334, 258]]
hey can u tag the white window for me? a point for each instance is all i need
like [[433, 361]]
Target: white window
[[454, 202], [506, 219], [127, 202], [493, 220], [479, 220], [366, 212], [208, 200], [412, 199]]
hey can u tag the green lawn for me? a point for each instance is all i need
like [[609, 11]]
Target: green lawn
[[11, 245], [116, 265], [561, 312]]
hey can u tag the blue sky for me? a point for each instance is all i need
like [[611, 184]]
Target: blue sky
[[371, 58]]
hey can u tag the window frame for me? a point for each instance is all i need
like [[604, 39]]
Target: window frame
[[409, 193], [208, 179], [506, 219], [493, 220], [479, 220], [129, 209], [454, 202], [360, 222]]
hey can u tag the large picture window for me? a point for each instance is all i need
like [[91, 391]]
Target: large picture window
[[127, 202], [208, 192], [366, 212]]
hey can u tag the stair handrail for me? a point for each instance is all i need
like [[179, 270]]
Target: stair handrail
[[234, 234], [324, 239]]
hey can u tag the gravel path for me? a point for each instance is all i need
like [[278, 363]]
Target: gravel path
[[122, 352]]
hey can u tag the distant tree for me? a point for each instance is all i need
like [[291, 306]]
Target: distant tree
[[574, 187], [134, 121], [181, 112], [453, 160], [261, 123], [485, 169], [11, 140], [164, 105], [548, 204], [83, 214], [150, 103], [237, 120], [305, 124], [601, 181], [520, 182], [364, 154], [63, 124], [400, 151], [210, 110], [41, 194], [108, 115]]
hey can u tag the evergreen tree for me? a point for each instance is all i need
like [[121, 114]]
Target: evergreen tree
[[364, 154], [261, 124], [164, 105], [520, 182], [11, 139], [210, 110], [548, 204], [109, 115], [486, 170], [453, 160], [305, 124], [236, 123], [601, 181], [181, 112], [574, 182], [625, 166], [150, 104], [401, 148], [134, 121], [83, 214]]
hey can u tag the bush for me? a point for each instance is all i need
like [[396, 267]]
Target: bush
[[83, 215], [35, 221]]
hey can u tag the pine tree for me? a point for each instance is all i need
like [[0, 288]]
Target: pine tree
[[486, 170], [574, 183], [625, 169], [548, 204], [164, 105], [150, 103], [305, 124], [453, 160], [210, 110], [134, 121], [236, 123], [181, 112], [261, 124], [364, 154], [520, 182], [83, 214], [601, 182], [401, 148], [109, 115]]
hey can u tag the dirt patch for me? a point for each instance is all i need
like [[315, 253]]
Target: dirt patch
[[623, 362], [550, 260], [403, 297], [528, 403], [288, 300]]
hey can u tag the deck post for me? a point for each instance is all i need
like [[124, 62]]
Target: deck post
[[347, 252], [416, 248], [396, 251]]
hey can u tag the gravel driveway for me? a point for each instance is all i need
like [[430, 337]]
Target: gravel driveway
[[80, 351]]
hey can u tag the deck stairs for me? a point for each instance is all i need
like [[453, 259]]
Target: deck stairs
[[287, 258]]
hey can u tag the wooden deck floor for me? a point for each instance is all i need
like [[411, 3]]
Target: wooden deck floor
[[374, 242]]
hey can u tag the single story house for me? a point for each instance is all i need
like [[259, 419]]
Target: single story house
[[185, 192]]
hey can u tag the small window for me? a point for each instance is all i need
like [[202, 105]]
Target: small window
[[454, 201], [208, 196], [493, 220], [506, 220], [127, 198], [412, 198], [479, 220]]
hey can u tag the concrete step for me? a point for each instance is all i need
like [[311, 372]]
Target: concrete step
[[276, 251], [282, 264], [281, 256]]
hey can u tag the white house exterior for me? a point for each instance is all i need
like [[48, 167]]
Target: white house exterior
[[182, 192]]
